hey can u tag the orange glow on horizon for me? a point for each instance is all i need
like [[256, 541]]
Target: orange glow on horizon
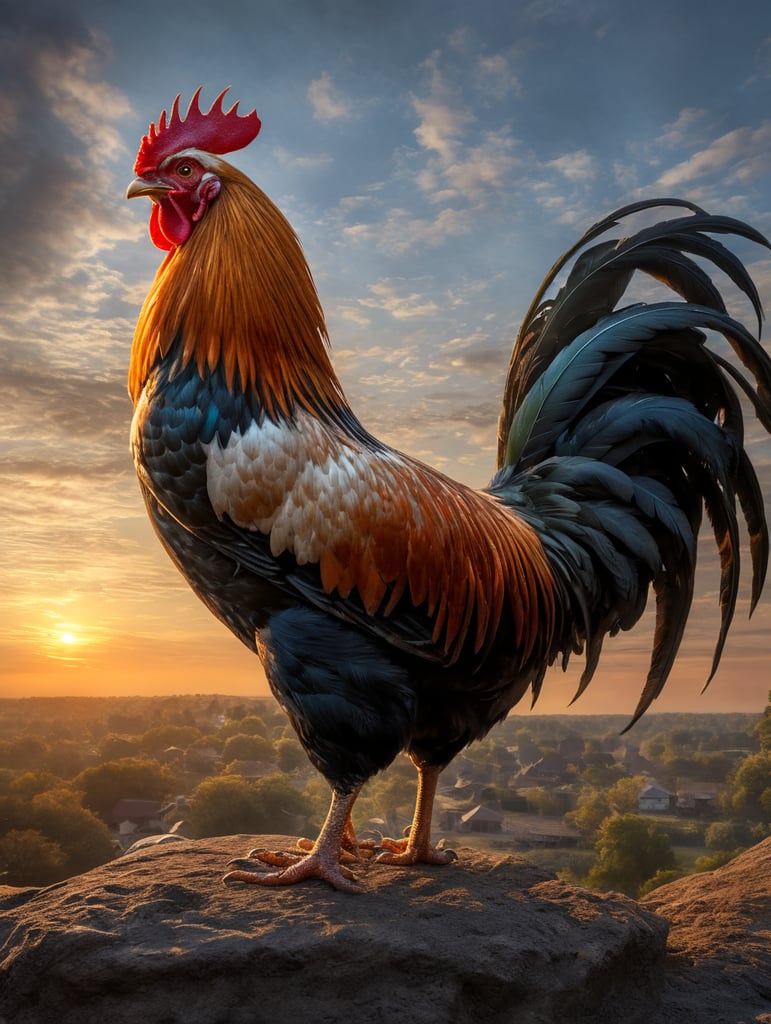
[[215, 664]]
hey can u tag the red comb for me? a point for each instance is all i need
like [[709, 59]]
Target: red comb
[[217, 131]]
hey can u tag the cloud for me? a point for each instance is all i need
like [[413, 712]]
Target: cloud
[[327, 103], [679, 130], [745, 153], [487, 165], [476, 353], [440, 126], [388, 296], [579, 166], [400, 231], [496, 77], [302, 163], [60, 203], [463, 161]]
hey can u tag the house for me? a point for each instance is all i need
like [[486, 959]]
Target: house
[[550, 768], [654, 798], [532, 833], [463, 789], [702, 801], [481, 819], [130, 816], [449, 820]]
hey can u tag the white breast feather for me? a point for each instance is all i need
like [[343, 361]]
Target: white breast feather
[[299, 484]]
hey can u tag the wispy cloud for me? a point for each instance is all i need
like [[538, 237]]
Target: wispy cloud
[[579, 166], [679, 131], [460, 162], [745, 153], [497, 77], [400, 303], [327, 102], [401, 231], [302, 162]]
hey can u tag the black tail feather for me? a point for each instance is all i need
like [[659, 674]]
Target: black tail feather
[[619, 425]]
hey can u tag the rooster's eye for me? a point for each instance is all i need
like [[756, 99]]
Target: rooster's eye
[[184, 170]]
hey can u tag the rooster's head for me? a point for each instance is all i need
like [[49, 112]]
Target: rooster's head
[[176, 166]]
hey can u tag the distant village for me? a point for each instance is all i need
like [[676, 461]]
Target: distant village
[[521, 771], [161, 771]]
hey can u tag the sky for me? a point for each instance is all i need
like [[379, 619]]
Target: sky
[[435, 158]]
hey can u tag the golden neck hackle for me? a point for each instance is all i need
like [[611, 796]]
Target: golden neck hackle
[[241, 295]]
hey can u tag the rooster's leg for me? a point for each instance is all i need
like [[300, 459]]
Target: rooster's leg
[[323, 861], [351, 850], [417, 848]]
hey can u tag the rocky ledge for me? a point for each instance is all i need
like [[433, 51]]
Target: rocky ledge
[[155, 937]]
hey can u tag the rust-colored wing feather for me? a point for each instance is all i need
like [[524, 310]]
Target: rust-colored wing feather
[[387, 528]]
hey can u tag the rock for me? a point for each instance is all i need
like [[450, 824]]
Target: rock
[[719, 964], [155, 937]]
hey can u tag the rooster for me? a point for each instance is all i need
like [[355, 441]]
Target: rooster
[[393, 608]]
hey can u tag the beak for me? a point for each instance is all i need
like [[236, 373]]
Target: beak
[[142, 187]]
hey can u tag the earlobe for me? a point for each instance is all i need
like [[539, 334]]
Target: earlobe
[[209, 189]]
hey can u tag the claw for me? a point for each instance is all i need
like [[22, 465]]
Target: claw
[[322, 861], [314, 865], [276, 858], [416, 847], [398, 855]]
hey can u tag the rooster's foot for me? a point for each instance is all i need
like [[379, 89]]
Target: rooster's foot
[[274, 858], [294, 869], [399, 852], [323, 860]]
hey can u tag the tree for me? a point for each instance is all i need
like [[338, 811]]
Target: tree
[[749, 791], [83, 838], [253, 725], [23, 752], [630, 851], [245, 747], [714, 861], [228, 804], [247, 725], [104, 785], [65, 758], [726, 835], [762, 731], [290, 755], [163, 736], [29, 784], [27, 857], [115, 748], [660, 878], [594, 805], [544, 800], [54, 827]]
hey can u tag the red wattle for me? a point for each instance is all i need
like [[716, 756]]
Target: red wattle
[[159, 240], [169, 226]]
